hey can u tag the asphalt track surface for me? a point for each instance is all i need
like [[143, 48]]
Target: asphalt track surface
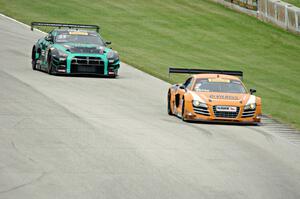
[[79, 137]]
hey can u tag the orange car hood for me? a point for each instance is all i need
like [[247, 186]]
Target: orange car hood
[[213, 98]]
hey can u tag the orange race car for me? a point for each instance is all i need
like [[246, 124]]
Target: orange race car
[[213, 95]]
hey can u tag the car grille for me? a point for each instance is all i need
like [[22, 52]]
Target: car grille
[[201, 111], [87, 65], [226, 114], [248, 113]]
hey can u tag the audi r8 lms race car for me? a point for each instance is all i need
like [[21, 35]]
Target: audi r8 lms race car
[[73, 49], [213, 95]]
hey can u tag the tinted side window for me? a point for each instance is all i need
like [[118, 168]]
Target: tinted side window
[[188, 83], [189, 86]]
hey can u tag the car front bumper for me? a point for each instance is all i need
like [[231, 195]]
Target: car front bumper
[[86, 64], [211, 115]]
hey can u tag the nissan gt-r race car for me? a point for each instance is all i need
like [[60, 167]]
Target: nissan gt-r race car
[[73, 49], [213, 95]]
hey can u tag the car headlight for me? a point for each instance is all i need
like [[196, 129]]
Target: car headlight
[[198, 103], [101, 50], [112, 56], [251, 106], [251, 103], [62, 55]]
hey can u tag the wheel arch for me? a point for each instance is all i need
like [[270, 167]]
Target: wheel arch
[[35, 49], [49, 55]]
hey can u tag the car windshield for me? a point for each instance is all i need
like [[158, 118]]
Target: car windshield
[[80, 38], [219, 85]]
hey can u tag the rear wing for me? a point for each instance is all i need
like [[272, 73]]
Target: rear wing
[[65, 25], [205, 71]]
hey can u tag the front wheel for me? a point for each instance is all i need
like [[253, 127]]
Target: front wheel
[[33, 59], [115, 75], [169, 104], [183, 111], [50, 69]]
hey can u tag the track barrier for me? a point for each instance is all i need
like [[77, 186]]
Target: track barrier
[[280, 13]]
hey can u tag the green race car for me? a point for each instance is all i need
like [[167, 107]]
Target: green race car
[[72, 49]]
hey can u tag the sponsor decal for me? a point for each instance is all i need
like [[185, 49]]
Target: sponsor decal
[[78, 33], [223, 97], [219, 80], [226, 108]]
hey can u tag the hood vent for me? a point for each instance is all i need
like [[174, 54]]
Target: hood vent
[[84, 50]]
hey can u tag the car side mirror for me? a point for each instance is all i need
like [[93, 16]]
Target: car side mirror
[[252, 90], [108, 42], [49, 38]]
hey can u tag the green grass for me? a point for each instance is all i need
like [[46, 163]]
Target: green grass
[[294, 2], [153, 35]]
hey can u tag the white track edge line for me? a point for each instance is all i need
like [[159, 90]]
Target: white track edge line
[[19, 22]]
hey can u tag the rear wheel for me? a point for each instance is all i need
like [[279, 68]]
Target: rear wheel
[[169, 104]]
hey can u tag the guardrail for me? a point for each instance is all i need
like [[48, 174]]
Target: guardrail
[[282, 14]]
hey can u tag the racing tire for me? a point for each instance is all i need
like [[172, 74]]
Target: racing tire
[[169, 104], [50, 69], [112, 76], [33, 61], [183, 111]]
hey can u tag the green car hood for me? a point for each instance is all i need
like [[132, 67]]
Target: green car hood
[[82, 48]]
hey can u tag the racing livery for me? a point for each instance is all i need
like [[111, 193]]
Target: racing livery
[[73, 49], [213, 95]]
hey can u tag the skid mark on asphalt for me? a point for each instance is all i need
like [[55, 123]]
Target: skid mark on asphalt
[[272, 126], [268, 136], [195, 126], [20, 152], [39, 178], [202, 130], [268, 129]]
